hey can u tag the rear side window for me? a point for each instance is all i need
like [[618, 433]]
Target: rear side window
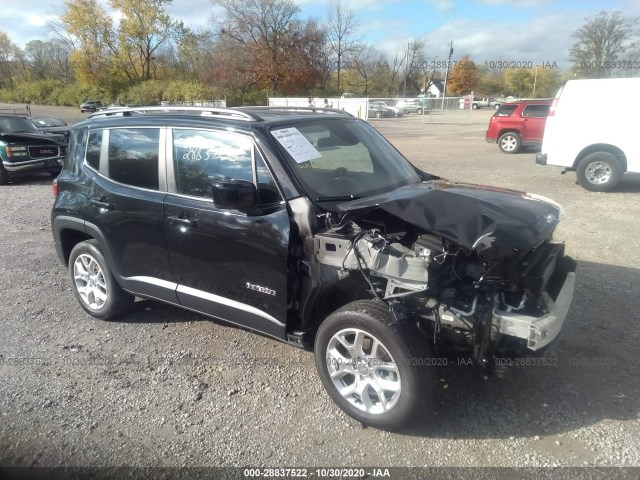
[[506, 110], [75, 153], [535, 111], [94, 145], [133, 156]]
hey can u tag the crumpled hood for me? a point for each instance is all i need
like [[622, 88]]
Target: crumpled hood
[[494, 222], [30, 137]]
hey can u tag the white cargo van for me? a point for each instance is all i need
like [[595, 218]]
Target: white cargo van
[[591, 129]]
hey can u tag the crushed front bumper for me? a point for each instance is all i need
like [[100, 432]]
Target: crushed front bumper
[[539, 331], [42, 165]]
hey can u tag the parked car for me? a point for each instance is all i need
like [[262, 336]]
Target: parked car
[[379, 110], [424, 104], [517, 125], [599, 148], [50, 125], [24, 149], [381, 106], [486, 102], [408, 105], [311, 228], [91, 106]]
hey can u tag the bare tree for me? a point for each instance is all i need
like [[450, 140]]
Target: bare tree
[[262, 28], [398, 62], [414, 65], [367, 62], [600, 42], [341, 27]]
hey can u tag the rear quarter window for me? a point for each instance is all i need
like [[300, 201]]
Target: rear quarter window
[[505, 111], [538, 111]]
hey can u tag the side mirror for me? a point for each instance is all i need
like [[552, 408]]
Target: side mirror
[[234, 195]]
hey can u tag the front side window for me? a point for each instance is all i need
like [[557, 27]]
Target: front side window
[[343, 158], [202, 157], [133, 156]]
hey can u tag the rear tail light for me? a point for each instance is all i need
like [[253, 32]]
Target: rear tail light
[[55, 187]]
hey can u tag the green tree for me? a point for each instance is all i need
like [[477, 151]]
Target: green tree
[[90, 28], [601, 41], [143, 28], [8, 53], [532, 82]]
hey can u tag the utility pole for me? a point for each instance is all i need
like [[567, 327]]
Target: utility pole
[[406, 65], [446, 75], [535, 80]]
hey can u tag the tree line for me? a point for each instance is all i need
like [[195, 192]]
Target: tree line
[[261, 48]]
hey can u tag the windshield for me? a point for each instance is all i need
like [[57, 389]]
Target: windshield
[[338, 158], [48, 122], [16, 125]]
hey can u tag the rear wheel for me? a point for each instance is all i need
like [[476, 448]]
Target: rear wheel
[[509, 142], [93, 283], [377, 370], [378, 114], [419, 111], [599, 172]]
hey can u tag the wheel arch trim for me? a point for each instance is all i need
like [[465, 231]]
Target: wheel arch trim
[[602, 148]]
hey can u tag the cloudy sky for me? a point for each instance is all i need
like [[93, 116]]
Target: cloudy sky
[[488, 30]]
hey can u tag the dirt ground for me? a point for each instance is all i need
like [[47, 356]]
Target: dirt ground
[[165, 387]]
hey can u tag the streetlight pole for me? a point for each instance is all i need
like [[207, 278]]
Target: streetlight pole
[[446, 75]]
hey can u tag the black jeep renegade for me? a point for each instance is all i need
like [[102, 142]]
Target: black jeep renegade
[[308, 226]]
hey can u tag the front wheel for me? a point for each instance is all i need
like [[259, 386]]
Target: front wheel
[[4, 176], [599, 172], [93, 283], [509, 142], [377, 370], [419, 111]]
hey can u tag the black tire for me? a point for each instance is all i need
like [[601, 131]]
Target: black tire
[[117, 300], [410, 355], [419, 111], [510, 142], [474, 106], [599, 172], [4, 176], [378, 114]]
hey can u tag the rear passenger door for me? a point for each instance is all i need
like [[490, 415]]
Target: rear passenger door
[[534, 117], [228, 264], [127, 169]]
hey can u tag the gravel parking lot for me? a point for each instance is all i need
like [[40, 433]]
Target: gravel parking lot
[[165, 387]]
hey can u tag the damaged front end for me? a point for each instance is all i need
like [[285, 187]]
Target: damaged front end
[[474, 267]]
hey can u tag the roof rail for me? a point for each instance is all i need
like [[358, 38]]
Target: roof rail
[[185, 110], [300, 109]]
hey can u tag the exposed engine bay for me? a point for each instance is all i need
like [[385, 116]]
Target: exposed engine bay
[[492, 302]]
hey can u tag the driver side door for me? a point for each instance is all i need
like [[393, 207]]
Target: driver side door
[[228, 264]]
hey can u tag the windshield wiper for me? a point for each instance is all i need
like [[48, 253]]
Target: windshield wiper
[[339, 198]]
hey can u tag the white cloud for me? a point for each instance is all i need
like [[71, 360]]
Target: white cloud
[[542, 39]]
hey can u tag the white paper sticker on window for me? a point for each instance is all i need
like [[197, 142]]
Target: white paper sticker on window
[[296, 144]]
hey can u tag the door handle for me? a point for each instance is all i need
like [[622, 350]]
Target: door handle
[[103, 205], [182, 221]]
